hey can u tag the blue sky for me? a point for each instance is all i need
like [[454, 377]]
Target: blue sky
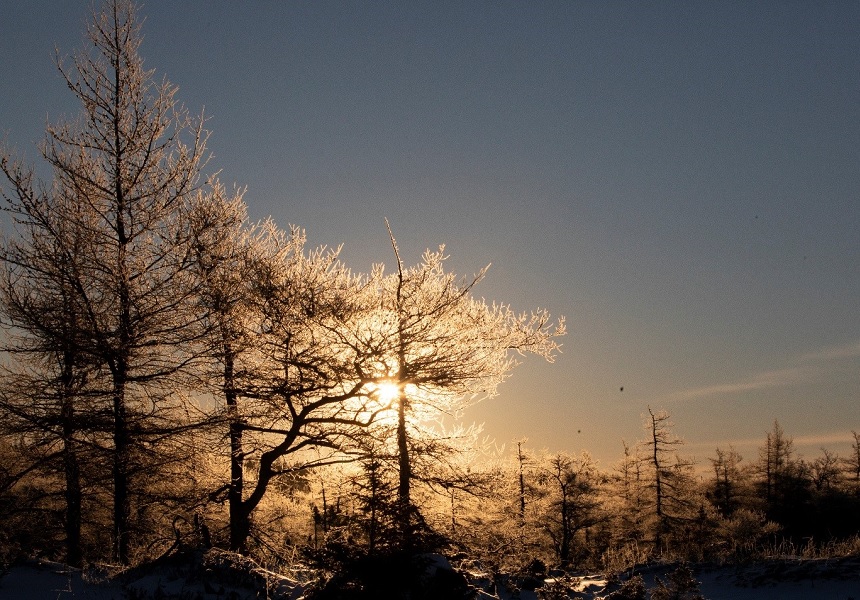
[[679, 179]]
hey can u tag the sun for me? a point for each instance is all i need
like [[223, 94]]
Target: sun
[[387, 392]]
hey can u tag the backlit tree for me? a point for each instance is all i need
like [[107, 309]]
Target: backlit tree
[[572, 485], [124, 174], [440, 348], [296, 395], [669, 480]]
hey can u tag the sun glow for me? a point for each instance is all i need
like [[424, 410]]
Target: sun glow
[[379, 402], [387, 392]]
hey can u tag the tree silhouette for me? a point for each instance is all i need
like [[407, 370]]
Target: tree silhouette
[[44, 395], [573, 486], [441, 347], [297, 397], [124, 176], [727, 480], [669, 478]]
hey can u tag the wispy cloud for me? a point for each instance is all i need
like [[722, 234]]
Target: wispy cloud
[[759, 381], [807, 367], [851, 350], [813, 441], [824, 439]]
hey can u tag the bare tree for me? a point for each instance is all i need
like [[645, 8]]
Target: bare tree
[[126, 172], [727, 479], [852, 463], [670, 481], [825, 471], [440, 348], [521, 479], [42, 398], [573, 485]]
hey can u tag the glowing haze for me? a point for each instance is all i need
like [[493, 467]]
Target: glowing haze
[[680, 180]]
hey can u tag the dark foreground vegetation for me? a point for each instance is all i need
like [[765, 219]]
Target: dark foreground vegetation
[[180, 384]]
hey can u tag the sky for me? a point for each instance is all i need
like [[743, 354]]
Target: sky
[[678, 179]]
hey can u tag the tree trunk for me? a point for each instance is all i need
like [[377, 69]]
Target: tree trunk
[[521, 459], [371, 530], [403, 489], [453, 512], [240, 528], [72, 473], [122, 506], [564, 551], [239, 519], [121, 500], [658, 484]]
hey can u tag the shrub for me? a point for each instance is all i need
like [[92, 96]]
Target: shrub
[[680, 585], [632, 589]]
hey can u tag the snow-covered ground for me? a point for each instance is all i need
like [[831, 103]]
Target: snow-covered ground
[[837, 579], [775, 580], [40, 580]]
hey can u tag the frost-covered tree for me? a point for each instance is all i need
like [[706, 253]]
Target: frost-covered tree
[[301, 397], [125, 173], [669, 479], [629, 502], [44, 397], [439, 347], [226, 248], [573, 486], [521, 480], [728, 480]]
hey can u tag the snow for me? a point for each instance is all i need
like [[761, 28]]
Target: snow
[[783, 580], [42, 580], [719, 586], [774, 580]]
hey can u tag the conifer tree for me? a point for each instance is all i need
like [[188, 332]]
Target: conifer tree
[[670, 481], [727, 480], [630, 498], [124, 174], [574, 506]]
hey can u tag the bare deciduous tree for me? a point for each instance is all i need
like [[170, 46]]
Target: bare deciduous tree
[[441, 348], [852, 463], [43, 398], [124, 175], [825, 471], [669, 476]]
